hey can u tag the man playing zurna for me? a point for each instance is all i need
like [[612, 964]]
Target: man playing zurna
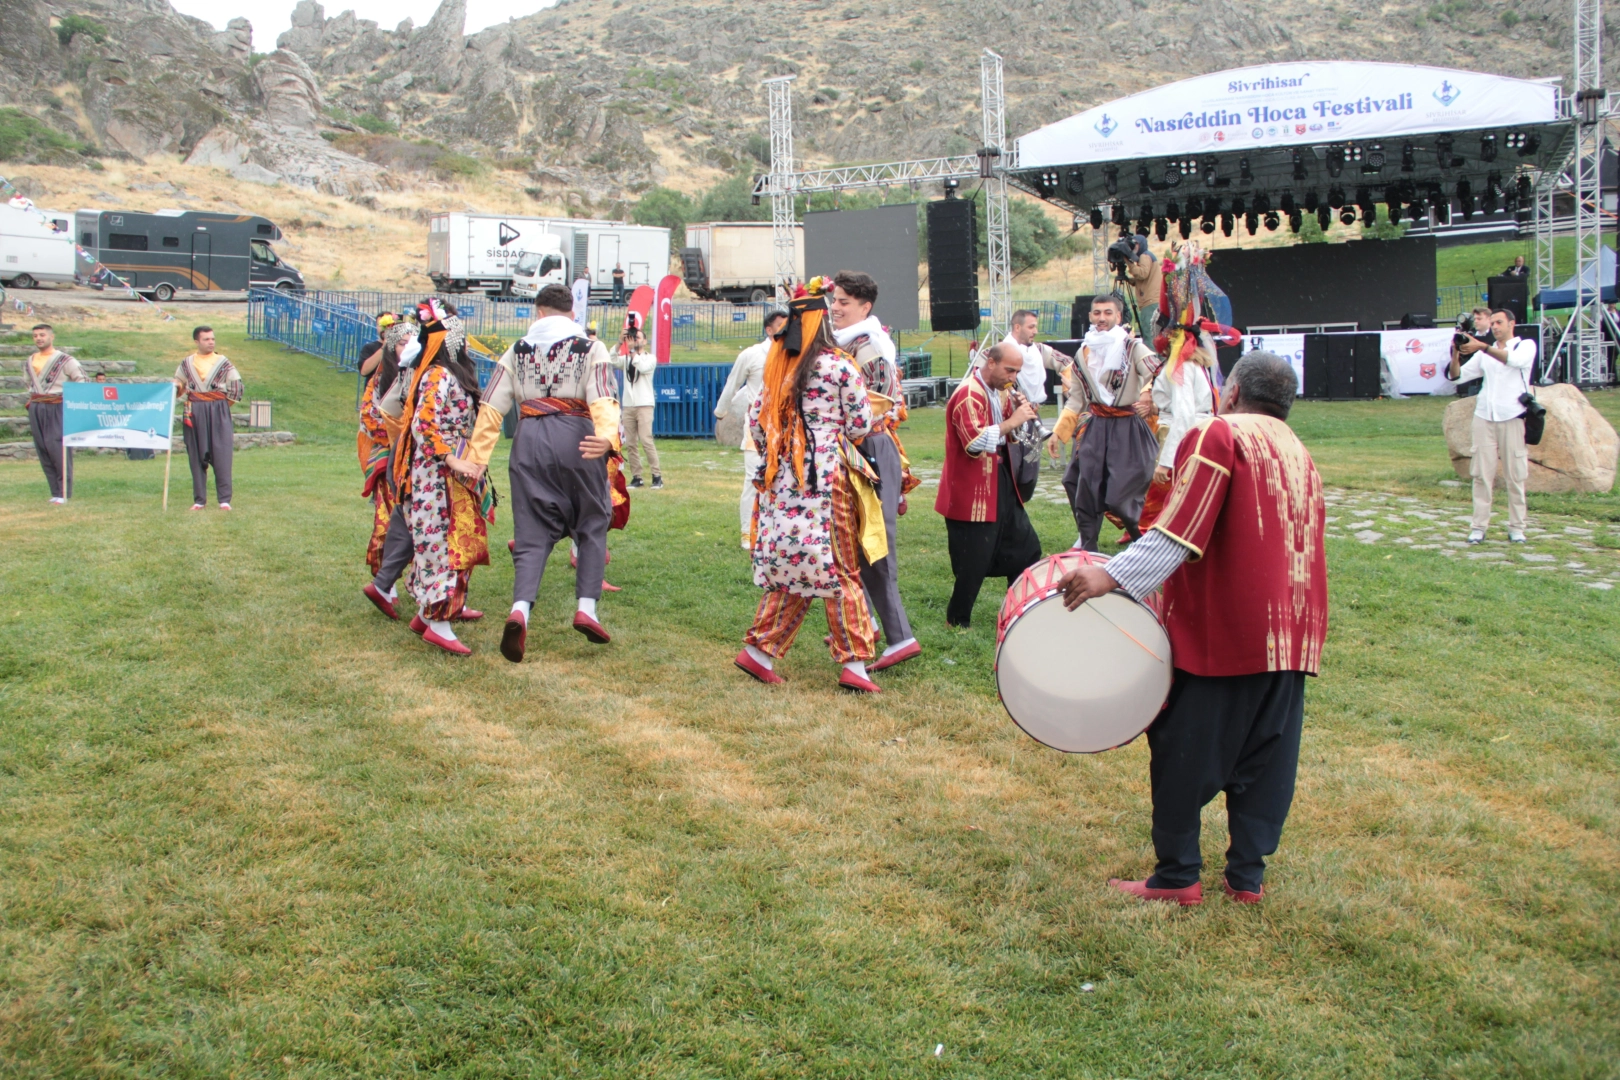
[[860, 335], [812, 407], [44, 374], [1239, 551], [211, 385], [563, 386]]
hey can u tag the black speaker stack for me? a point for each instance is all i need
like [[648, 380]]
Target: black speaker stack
[[1513, 293], [953, 266]]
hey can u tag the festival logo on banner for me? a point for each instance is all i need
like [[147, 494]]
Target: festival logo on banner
[[1107, 125], [1414, 345], [1427, 370], [1447, 93]]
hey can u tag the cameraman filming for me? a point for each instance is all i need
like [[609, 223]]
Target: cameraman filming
[[1475, 326], [1498, 433], [1133, 263]]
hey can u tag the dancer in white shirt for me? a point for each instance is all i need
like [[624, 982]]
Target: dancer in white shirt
[[747, 375]]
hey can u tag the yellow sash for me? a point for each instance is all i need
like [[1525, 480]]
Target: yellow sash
[[870, 529]]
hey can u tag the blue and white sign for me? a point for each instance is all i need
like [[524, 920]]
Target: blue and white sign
[[127, 416], [1290, 104]]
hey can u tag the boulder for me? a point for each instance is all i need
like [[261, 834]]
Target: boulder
[[292, 97], [728, 430], [1577, 452], [235, 42]]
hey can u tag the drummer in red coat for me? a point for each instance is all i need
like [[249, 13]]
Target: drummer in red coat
[[1239, 551]]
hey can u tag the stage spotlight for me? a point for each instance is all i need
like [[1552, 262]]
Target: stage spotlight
[[1311, 201], [1075, 183], [1272, 221], [1212, 171], [1226, 224], [1295, 221], [1147, 212], [1531, 143], [1335, 161], [1172, 211], [1262, 203], [1286, 203], [1251, 222], [1208, 226], [1172, 174], [1487, 201], [1144, 226], [1185, 226], [1395, 213], [1437, 194], [1111, 179], [1119, 216], [1364, 196], [1375, 159], [1244, 172], [1212, 207], [1465, 198], [1487, 147], [1299, 165], [1442, 150], [1143, 179], [1347, 216], [1526, 189], [1335, 197], [1238, 207], [1096, 217], [1416, 210], [1352, 153], [1047, 182], [1161, 228], [1324, 218], [1408, 157]]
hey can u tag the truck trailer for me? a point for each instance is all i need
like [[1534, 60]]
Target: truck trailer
[[472, 252], [735, 260], [36, 246], [162, 253]]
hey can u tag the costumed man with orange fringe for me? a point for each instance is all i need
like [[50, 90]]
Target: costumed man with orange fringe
[[564, 388], [388, 550], [812, 525]]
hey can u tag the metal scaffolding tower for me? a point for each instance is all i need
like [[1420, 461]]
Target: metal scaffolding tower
[[991, 162]]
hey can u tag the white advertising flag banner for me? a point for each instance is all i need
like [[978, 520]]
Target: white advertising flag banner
[[1418, 359], [1289, 104], [1291, 347]]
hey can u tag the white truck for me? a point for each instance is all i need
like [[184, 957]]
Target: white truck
[[36, 246], [735, 260], [487, 252]]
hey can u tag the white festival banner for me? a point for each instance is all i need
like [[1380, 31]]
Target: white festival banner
[[1290, 104], [1291, 347], [1418, 359]]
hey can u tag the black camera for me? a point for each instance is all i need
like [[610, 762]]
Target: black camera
[[1121, 253], [1465, 332]]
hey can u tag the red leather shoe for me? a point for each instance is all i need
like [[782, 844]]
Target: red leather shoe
[[590, 628], [1241, 897], [468, 614], [418, 626], [756, 669], [511, 546], [851, 681], [449, 645], [514, 637], [384, 605], [910, 652], [1191, 896]]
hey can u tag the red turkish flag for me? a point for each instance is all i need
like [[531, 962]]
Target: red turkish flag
[[664, 317]]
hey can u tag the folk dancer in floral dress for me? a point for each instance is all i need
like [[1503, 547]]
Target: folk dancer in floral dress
[[447, 513], [44, 373], [812, 406], [563, 386], [211, 385], [389, 548]]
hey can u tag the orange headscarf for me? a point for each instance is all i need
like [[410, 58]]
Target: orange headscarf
[[779, 414]]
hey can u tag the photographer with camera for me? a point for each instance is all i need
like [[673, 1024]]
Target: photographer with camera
[[1134, 264], [639, 401], [1504, 365], [1473, 326]]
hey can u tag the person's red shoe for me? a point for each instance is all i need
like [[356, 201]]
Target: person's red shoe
[[468, 614], [1191, 896], [910, 652], [418, 626], [449, 645], [378, 597], [590, 628], [851, 681], [514, 637], [511, 546], [1241, 897], [756, 669]]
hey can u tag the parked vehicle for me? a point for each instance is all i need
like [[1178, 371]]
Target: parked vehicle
[[543, 266], [162, 253], [470, 252], [735, 260], [35, 249]]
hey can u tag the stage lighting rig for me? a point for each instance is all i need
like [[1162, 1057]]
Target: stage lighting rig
[[1096, 217], [1335, 161], [1226, 224], [1493, 192], [950, 184], [1324, 218], [1525, 142], [1161, 228], [1364, 198], [1408, 157], [1212, 207], [1299, 165], [1147, 212], [1119, 216], [1369, 216], [1262, 203], [1395, 213], [1075, 182], [1526, 189], [1111, 179], [1207, 226], [1212, 172], [1251, 222], [1311, 201], [1172, 211], [1245, 173], [1185, 227], [1238, 207], [1144, 179], [1172, 174], [1375, 159], [1465, 198], [1335, 197], [1487, 146], [1295, 220], [1286, 203], [1272, 221], [1347, 215], [1047, 182]]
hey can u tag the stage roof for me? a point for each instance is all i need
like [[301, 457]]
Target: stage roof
[[1299, 127]]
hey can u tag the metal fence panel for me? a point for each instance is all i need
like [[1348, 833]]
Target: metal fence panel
[[687, 395], [1454, 300]]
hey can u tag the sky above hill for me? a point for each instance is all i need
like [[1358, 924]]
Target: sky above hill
[[270, 18]]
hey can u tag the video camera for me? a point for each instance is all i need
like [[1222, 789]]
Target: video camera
[[1465, 332], [1124, 251]]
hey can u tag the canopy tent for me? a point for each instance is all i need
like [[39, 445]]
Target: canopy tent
[[1564, 295], [1279, 140]]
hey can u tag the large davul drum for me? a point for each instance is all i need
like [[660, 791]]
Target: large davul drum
[[1079, 681]]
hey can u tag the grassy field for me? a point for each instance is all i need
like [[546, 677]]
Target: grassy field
[[253, 829]]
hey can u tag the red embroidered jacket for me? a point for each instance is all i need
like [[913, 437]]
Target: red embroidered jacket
[[1252, 595], [967, 484]]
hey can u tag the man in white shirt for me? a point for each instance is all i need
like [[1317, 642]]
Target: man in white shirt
[[742, 387], [1498, 420], [1039, 358], [639, 403]]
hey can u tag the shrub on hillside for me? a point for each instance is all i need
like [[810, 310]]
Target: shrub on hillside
[[27, 138], [79, 24]]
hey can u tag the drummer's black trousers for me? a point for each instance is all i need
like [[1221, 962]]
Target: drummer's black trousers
[[1238, 734], [979, 549]]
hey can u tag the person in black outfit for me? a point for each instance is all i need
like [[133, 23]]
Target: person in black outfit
[[618, 284], [1518, 269]]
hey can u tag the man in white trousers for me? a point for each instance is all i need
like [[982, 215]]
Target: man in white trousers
[[1498, 431]]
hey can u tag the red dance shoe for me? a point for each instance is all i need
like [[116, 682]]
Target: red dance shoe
[[851, 681], [449, 645], [756, 669], [590, 628], [514, 638], [910, 652], [378, 597], [418, 626], [511, 546], [1191, 896], [468, 614], [1241, 897]]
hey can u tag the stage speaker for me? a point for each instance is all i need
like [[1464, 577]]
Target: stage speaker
[[1316, 365], [1080, 317], [1417, 320], [1512, 293], [953, 266], [1367, 374]]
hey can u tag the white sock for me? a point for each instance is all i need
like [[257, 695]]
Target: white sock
[[521, 607], [573, 549], [758, 657], [392, 594], [442, 629], [588, 606], [857, 666], [892, 649]]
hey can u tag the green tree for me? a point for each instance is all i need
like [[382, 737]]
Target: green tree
[[732, 200], [665, 208]]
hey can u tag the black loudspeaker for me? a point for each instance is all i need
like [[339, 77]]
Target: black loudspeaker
[[1080, 317], [953, 266], [1512, 293], [1418, 320], [1343, 365]]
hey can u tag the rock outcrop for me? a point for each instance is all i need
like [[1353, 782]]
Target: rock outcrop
[[292, 99], [1577, 452]]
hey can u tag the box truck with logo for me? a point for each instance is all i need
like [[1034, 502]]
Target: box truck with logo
[[36, 246], [507, 254]]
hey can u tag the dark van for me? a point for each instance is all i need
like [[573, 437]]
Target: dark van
[[162, 253]]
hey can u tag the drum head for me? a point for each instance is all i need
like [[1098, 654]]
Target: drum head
[[1087, 680]]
